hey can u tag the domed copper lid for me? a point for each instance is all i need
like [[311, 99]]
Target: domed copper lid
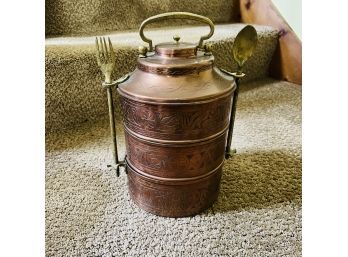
[[176, 72], [176, 59], [177, 49]]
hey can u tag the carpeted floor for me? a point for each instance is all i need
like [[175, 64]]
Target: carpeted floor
[[258, 212], [66, 17]]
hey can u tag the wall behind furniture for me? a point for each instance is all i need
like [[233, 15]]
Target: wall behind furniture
[[291, 10]]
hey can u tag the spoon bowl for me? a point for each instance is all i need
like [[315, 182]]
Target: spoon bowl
[[244, 45]]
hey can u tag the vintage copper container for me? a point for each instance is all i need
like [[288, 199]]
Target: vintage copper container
[[176, 109]]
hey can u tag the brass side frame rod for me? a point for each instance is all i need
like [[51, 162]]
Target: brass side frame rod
[[237, 76], [108, 86], [112, 125]]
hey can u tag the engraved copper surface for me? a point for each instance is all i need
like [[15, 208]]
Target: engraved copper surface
[[173, 200], [174, 71], [176, 128], [176, 108], [162, 65], [176, 122], [147, 87], [176, 162]]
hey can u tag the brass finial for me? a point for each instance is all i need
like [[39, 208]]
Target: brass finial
[[207, 48], [142, 50], [176, 38]]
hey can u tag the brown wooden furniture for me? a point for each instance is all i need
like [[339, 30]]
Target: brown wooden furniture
[[287, 60]]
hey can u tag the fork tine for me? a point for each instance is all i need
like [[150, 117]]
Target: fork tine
[[106, 57], [102, 49], [112, 53], [110, 45], [106, 50]]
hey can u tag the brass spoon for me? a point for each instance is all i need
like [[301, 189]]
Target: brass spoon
[[243, 48], [244, 45]]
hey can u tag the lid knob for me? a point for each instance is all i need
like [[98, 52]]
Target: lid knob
[[207, 49], [176, 38], [142, 50]]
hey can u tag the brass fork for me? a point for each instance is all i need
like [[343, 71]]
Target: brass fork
[[106, 62], [105, 57]]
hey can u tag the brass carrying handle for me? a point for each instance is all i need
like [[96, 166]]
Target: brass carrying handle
[[176, 15]]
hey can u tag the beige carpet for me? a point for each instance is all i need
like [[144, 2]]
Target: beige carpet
[[85, 16], [258, 212]]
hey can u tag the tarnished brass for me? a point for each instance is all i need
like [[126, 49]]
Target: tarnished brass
[[106, 62], [105, 57], [117, 162], [207, 49], [142, 50], [244, 45], [176, 39], [242, 50], [176, 15]]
